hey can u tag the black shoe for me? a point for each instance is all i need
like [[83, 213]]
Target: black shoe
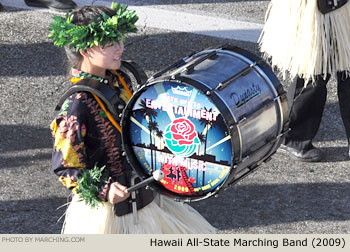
[[57, 5], [311, 155], [1, 7]]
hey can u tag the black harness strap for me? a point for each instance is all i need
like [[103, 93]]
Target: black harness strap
[[106, 94], [135, 70]]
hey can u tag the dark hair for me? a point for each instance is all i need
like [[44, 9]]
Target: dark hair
[[84, 16]]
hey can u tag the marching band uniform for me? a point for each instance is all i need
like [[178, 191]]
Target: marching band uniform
[[309, 40]]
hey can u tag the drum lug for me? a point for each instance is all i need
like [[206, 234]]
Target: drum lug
[[267, 159], [242, 119], [148, 81], [237, 123], [219, 86], [282, 134], [279, 96], [245, 158]]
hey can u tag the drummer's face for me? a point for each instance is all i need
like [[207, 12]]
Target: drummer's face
[[108, 57]]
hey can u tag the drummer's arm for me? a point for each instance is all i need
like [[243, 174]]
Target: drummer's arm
[[69, 176], [68, 130]]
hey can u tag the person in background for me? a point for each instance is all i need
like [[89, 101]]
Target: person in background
[[56, 5], [309, 40]]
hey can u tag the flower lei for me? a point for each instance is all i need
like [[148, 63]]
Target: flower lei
[[100, 32]]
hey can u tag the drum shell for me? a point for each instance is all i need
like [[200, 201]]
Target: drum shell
[[254, 108], [257, 123]]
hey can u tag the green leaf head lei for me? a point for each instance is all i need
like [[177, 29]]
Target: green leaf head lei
[[100, 32]]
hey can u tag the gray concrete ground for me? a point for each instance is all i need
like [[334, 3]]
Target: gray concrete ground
[[282, 196]]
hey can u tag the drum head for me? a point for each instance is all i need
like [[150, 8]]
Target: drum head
[[174, 127]]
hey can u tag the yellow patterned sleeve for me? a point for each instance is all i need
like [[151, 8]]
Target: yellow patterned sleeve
[[70, 184]]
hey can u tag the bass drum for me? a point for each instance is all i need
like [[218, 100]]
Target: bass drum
[[207, 121]]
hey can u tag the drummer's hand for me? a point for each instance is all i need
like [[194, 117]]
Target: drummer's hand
[[117, 193]]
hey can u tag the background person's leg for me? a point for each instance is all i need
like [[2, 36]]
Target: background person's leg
[[344, 102], [305, 119]]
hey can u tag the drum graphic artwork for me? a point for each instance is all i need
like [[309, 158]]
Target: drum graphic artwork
[[207, 121]]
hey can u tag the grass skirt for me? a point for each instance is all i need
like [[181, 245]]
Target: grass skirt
[[172, 218], [300, 40]]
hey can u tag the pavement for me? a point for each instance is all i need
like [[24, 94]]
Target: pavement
[[282, 196]]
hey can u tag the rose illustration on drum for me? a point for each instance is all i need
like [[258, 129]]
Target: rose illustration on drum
[[181, 137]]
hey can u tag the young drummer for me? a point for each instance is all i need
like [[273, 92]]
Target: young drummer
[[87, 139], [310, 41]]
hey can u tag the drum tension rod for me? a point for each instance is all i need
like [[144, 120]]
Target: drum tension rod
[[190, 68], [283, 133], [177, 64], [225, 83]]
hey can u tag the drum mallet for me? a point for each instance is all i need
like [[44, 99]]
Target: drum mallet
[[156, 176]]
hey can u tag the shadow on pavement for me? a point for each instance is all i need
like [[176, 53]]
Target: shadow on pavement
[[262, 205], [45, 59], [24, 137], [38, 216], [40, 59], [335, 154], [12, 162], [239, 207]]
